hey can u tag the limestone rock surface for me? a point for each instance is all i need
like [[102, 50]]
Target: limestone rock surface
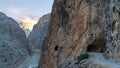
[[78, 27], [39, 31], [14, 46]]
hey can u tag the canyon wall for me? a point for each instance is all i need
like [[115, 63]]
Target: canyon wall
[[38, 33], [113, 40], [78, 27], [14, 47]]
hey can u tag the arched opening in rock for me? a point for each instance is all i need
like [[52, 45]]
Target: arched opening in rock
[[56, 48], [97, 46]]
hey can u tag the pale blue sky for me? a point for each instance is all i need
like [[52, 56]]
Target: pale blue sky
[[22, 9], [37, 7]]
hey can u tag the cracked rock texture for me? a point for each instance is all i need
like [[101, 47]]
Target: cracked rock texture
[[113, 43], [14, 46], [80, 26], [74, 25]]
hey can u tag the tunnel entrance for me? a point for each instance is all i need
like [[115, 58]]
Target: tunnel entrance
[[97, 46], [56, 48], [92, 48]]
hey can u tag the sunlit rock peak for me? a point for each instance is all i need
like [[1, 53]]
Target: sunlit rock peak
[[28, 23]]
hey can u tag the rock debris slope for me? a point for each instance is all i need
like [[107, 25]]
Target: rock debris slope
[[78, 27], [14, 46]]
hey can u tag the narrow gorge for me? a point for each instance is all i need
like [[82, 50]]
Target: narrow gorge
[[35, 40], [76, 34]]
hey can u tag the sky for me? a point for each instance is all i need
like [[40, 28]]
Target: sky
[[26, 11]]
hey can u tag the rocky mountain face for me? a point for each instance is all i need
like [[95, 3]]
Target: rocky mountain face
[[113, 42], [14, 47], [38, 33], [80, 31]]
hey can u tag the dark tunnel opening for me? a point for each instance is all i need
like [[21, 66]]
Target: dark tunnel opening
[[97, 46]]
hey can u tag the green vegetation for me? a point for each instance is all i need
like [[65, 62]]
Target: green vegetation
[[82, 57]]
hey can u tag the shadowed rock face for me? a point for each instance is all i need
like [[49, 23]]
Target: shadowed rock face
[[38, 33], [13, 43]]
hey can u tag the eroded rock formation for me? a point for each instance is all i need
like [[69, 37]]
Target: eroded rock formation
[[81, 26], [14, 46]]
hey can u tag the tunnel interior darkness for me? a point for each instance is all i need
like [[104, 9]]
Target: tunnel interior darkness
[[97, 46], [56, 48]]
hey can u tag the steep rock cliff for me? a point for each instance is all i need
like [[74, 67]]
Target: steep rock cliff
[[14, 46], [78, 27], [39, 31], [113, 43]]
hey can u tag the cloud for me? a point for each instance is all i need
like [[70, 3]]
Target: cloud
[[22, 16]]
